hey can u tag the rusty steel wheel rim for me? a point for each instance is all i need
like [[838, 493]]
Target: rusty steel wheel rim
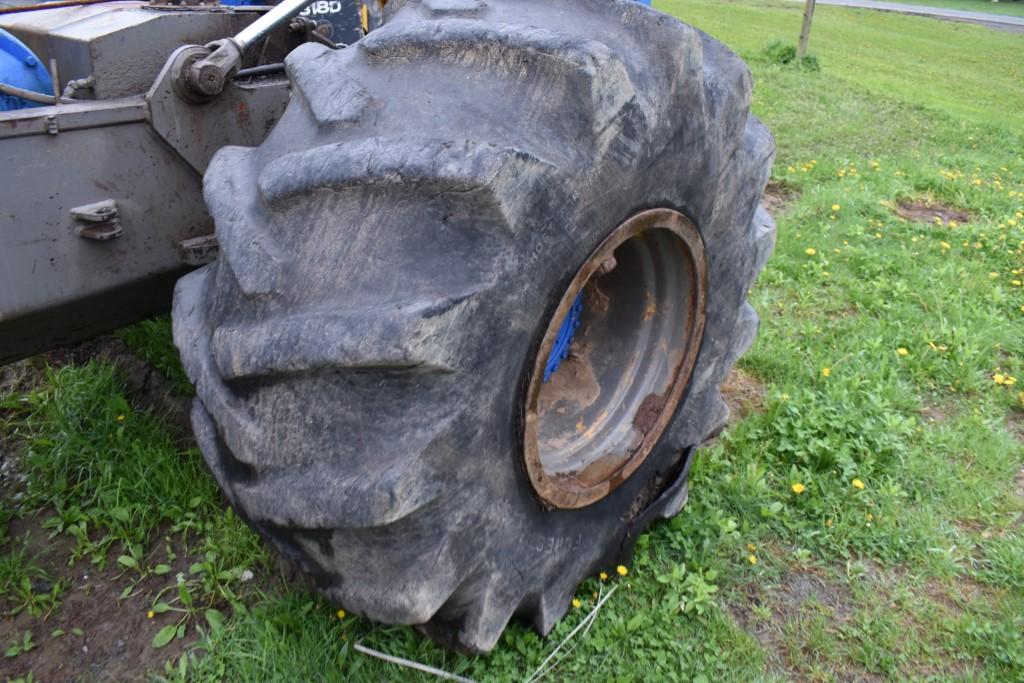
[[595, 421]]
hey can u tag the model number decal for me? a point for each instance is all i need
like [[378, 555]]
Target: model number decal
[[322, 7]]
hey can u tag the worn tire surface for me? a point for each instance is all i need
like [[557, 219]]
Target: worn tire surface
[[390, 258]]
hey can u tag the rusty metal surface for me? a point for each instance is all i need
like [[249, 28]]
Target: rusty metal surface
[[594, 423]]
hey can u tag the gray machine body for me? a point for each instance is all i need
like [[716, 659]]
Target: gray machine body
[[101, 205]]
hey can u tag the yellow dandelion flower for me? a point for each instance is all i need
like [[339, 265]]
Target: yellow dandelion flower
[[576, 603], [952, 224], [1011, 222], [751, 547], [871, 517], [902, 351], [826, 372], [621, 570], [785, 397], [751, 559], [341, 614], [798, 488], [120, 418], [603, 576], [835, 207], [150, 614], [945, 245], [810, 251], [857, 484]]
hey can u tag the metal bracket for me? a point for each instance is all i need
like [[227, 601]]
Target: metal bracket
[[97, 221], [205, 73], [242, 114], [202, 75], [198, 251]]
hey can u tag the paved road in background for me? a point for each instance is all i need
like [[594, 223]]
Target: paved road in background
[[1000, 21]]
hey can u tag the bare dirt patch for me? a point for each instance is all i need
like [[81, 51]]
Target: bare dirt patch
[[778, 197], [800, 587], [20, 377], [844, 312], [956, 595], [975, 527], [115, 641], [769, 611], [935, 413], [744, 393], [115, 634], [1015, 421], [925, 212]]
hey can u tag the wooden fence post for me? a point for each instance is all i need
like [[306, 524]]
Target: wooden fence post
[[805, 31]]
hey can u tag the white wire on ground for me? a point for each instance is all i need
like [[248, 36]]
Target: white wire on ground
[[359, 647], [587, 622]]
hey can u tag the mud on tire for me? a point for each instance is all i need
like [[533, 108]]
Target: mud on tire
[[390, 259]]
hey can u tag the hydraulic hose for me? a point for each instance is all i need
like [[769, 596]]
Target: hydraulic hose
[[32, 95]]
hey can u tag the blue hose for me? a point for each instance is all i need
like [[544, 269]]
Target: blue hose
[[565, 334]]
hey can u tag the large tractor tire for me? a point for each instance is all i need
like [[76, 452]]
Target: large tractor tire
[[386, 384]]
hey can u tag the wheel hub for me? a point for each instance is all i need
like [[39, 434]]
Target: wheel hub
[[615, 359]]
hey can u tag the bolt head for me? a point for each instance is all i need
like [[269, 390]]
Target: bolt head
[[210, 80]]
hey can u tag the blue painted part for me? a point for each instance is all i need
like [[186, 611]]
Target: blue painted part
[[21, 68], [565, 334], [644, 2]]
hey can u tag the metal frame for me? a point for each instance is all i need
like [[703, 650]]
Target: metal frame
[[102, 206]]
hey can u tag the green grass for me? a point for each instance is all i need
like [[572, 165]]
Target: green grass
[[1013, 8], [969, 73], [918, 574], [151, 341]]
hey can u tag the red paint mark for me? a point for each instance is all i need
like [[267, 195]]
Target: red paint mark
[[243, 114]]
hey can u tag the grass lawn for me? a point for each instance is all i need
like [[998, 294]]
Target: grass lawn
[[1012, 7], [865, 518]]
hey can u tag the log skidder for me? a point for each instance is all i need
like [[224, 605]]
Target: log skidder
[[476, 295]]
